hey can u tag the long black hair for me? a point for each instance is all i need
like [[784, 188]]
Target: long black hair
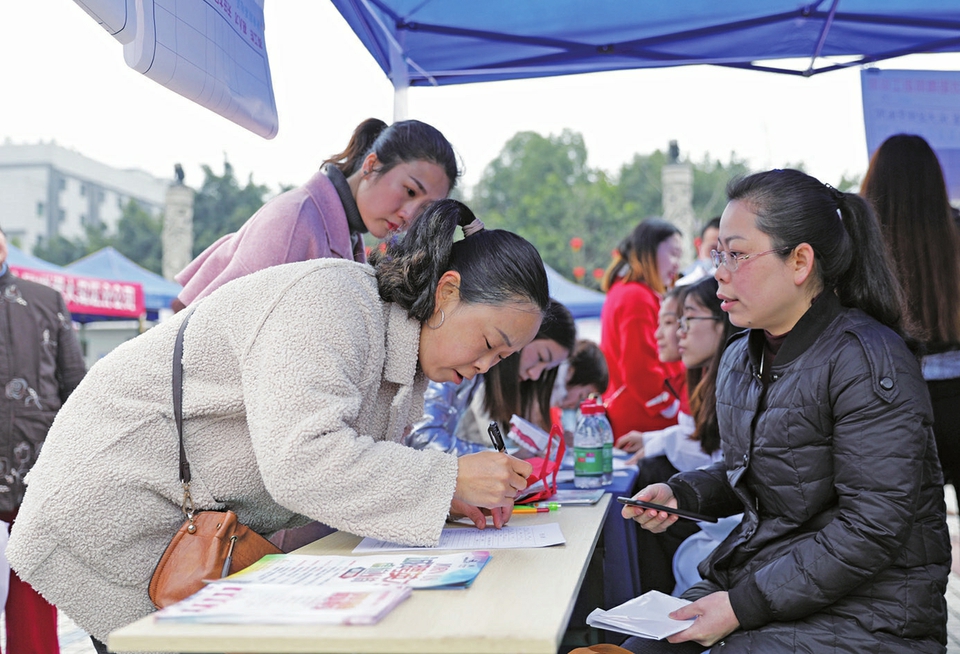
[[703, 380], [793, 208], [496, 267], [905, 186], [403, 141], [505, 394]]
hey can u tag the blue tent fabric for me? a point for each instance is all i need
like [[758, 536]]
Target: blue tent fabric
[[441, 42], [17, 257], [582, 301], [107, 263]]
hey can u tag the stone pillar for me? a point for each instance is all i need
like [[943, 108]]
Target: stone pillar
[[177, 234], [677, 181]]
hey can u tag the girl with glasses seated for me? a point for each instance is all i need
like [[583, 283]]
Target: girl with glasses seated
[[694, 442]]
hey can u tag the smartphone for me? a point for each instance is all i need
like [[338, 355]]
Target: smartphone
[[689, 515]]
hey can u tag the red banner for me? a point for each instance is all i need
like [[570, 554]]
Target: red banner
[[90, 296]]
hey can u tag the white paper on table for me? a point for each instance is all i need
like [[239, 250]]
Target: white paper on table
[[644, 616], [460, 538]]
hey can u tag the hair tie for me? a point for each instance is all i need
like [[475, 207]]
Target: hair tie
[[840, 198], [472, 228]]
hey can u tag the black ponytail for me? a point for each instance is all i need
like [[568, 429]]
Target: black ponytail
[[793, 208], [403, 141], [361, 143], [496, 267]]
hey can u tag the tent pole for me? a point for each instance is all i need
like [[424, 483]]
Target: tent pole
[[400, 77], [400, 110]]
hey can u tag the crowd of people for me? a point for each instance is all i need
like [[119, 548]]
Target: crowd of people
[[799, 380]]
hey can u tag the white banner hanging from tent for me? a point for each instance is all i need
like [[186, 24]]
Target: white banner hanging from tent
[[921, 102]]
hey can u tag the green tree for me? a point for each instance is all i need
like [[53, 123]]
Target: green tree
[[221, 206], [710, 179], [138, 237], [542, 188], [60, 250]]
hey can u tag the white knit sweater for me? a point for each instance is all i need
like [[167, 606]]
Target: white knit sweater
[[298, 381]]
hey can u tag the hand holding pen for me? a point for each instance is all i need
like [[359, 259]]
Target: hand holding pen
[[491, 479], [495, 436]]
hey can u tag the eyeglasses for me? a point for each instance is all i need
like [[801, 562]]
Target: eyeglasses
[[732, 261], [685, 320]]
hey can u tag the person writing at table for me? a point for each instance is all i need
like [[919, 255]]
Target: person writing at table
[[827, 440], [298, 382], [376, 185], [456, 415]]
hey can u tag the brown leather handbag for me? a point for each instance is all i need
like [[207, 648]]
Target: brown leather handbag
[[209, 544]]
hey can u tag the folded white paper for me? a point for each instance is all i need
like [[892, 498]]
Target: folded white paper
[[644, 616]]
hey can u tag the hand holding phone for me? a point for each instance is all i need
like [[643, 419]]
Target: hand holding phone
[[689, 515]]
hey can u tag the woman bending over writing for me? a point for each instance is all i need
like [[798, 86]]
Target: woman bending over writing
[[292, 414]]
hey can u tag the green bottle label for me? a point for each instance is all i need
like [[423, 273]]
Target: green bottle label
[[608, 458], [588, 461]]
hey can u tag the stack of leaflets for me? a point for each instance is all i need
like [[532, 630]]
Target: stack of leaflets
[[229, 603], [645, 616], [304, 589]]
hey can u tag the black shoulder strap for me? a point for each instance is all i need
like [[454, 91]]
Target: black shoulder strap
[[178, 396]]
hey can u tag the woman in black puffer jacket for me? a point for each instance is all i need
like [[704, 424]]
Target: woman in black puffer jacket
[[828, 446]]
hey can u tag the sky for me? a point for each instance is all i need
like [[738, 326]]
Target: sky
[[63, 79]]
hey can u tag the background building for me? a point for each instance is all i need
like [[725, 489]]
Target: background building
[[46, 189]]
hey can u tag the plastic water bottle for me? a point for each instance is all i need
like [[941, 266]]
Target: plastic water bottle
[[604, 426], [588, 448]]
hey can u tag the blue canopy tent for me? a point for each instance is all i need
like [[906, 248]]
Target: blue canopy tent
[[89, 298], [582, 301], [451, 42], [107, 263], [439, 42]]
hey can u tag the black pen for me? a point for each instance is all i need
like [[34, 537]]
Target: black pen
[[495, 436]]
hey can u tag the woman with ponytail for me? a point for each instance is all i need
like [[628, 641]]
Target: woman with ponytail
[[644, 267], [376, 185], [828, 448], [293, 413]]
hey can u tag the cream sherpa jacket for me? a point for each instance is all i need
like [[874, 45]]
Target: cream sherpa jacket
[[298, 381]]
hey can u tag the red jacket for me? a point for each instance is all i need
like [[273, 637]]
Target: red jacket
[[636, 398]]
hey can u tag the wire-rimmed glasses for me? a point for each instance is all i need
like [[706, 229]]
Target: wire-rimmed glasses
[[684, 321], [732, 261]]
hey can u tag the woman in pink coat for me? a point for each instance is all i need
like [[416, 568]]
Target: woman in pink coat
[[376, 185]]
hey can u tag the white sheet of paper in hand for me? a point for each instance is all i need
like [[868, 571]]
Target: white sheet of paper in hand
[[644, 616]]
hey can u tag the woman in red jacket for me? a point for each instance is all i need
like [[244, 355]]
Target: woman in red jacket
[[645, 264]]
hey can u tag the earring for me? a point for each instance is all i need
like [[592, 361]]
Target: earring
[[442, 318]]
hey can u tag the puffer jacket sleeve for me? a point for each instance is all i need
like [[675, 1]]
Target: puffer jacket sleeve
[[443, 406], [706, 491], [882, 417]]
